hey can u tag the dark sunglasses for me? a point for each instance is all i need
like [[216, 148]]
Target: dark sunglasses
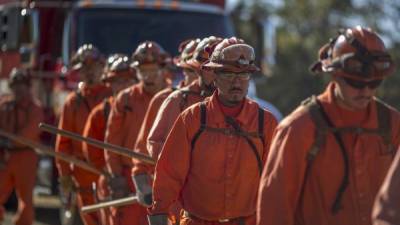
[[363, 84]]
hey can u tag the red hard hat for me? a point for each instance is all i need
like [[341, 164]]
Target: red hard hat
[[186, 49], [357, 53], [86, 55], [119, 68], [203, 51], [150, 52], [232, 55]]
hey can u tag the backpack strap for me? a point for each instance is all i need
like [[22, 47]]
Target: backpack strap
[[185, 92], [203, 119], [261, 124], [321, 125], [106, 110], [80, 99], [231, 121], [384, 125], [127, 107]]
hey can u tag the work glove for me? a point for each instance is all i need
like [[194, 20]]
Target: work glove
[[159, 219], [5, 143], [143, 189], [118, 187], [67, 184]]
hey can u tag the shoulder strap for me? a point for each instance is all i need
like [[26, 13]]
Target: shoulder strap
[[321, 126], [185, 92], [384, 124], [322, 121], [81, 98], [261, 124], [203, 119], [106, 109], [127, 107]]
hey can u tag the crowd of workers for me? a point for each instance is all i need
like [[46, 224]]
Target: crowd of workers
[[220, 158]]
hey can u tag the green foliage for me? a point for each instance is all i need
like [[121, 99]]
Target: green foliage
[[306, 25]]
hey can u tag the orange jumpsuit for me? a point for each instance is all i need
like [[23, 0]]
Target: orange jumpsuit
[[154, 106], [292, 194], [123, 126], [218, 178], [95, 128], [387, 204], [166, 116], [19, 169], [73, 118]]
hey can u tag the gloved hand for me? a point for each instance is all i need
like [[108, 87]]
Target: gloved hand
[[67, 184], [5, 143], [118, 187], [143, 189], [159, 219]]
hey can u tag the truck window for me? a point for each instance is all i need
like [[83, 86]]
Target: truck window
[[123, 29]]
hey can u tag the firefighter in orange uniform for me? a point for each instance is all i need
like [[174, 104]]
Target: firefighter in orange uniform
[[212, 159], [387, 204], [89, 63], [127, 114], [329, 157], [20, 114], [118, 76], [178, 101], [186, 48]]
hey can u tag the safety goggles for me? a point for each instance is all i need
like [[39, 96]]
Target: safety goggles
[[371, 65], [230, 76], [363, 84]]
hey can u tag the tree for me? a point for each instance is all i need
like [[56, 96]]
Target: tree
[[304, 26]]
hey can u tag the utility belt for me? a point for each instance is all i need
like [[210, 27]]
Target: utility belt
[[237, 220]]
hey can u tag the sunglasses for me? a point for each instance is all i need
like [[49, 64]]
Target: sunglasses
[[363, 84], [229, 76]]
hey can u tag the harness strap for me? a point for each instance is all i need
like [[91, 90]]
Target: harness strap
[[261, 125], [203, 114], [106, 110], [81, 98], [384, 121], [185, 94], [231, 121], [237, 130]]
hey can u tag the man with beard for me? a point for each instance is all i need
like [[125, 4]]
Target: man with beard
[[20, 114], [89, 63], [330, 156], [117, 77], [212, 159], [127, 113]]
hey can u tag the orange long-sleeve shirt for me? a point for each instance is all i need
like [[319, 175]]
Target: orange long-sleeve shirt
[[124, 123], [95, 128], [21, 119], [166, 116], [219, 177], [387, 204], [154, 106], [286, 197], [73, 118]]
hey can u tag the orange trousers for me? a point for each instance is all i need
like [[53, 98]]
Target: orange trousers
[[85, 196], [103, 194], [19, 173], [134, 214]]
